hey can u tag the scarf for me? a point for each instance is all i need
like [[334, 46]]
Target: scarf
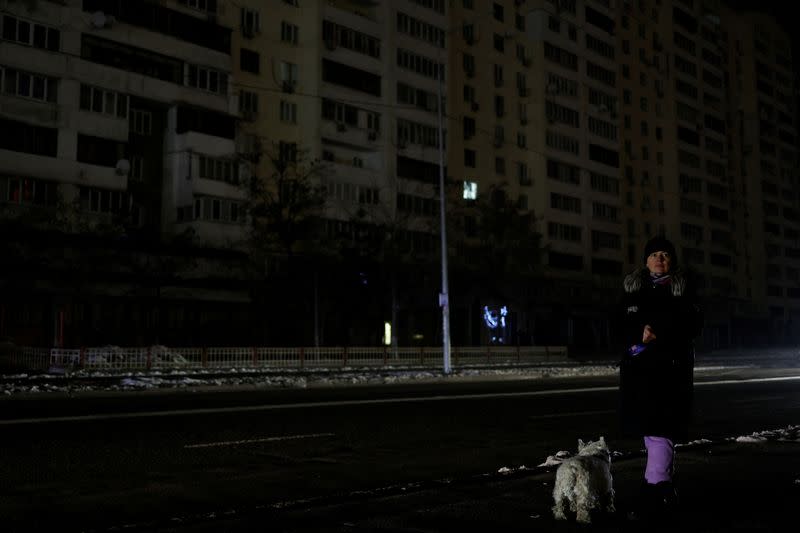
[[660, 279]]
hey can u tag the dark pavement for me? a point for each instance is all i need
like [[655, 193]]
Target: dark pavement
[[724, 487]]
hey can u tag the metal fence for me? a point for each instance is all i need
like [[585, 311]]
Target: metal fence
[[169, 358]]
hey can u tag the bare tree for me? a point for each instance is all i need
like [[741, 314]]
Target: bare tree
[[285, 204]]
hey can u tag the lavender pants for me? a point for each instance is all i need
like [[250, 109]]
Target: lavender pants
[[660, 459]]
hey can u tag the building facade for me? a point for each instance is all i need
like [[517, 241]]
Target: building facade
[[168, 127]]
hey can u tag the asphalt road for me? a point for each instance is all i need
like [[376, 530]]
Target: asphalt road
[[186, 459]]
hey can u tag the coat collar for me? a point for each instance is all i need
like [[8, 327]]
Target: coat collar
[[635, 280]]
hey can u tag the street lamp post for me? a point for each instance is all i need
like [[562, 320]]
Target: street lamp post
[[444, 302]]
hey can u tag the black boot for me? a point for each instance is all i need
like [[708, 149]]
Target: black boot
[[656, 503]]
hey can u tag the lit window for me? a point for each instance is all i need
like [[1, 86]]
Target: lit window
[[470, 190]]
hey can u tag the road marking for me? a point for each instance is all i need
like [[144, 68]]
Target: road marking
[[347, 403], [265, 439]]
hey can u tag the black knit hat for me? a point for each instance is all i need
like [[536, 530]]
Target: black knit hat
[[659, 243]]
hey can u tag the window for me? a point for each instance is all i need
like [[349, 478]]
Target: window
[[605, 211], [499, 105], [470, 190], [28, 85], [469, 158], [563, 143], [605, 239], [209, 6], [563, 172], [218, 209], [498, 12], [137, 168], [523, 176], [22, 137], [218, 169], [563, 202], [498, 75], [335, 35], [287, 152], [141, 122], [499, 43], [469, 93], [249, 60], [564, 232], [288, 72], [102, 101], [30, 191], [500, 166], [424, 66], [30, 34], [248, 102], [522, 140], [288, 112], [251, 22], [289, 32], [99, 151], [604, 184], [420, 29], [206, 79], [99, 200]]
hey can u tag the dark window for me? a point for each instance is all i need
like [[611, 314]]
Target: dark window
[[98, 151], [606, 267], [146, 14], [600, 20], [418, 170], [249, 60], [604, 155], [21, 137], [205, 121], [351, 77], [565, 261], [131, 59]]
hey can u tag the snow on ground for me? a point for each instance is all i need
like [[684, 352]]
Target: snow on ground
[[342, 376], [277, 378]]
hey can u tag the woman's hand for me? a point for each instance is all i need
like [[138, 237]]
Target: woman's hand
[[648, 334]]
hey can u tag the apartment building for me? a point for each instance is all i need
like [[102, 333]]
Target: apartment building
[[691, 164], [119, 118], [534, 86], [763, 166]]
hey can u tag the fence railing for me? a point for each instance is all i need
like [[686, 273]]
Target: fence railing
[[163, 357]]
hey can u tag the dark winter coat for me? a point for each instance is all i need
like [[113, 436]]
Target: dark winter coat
[[656, 385]]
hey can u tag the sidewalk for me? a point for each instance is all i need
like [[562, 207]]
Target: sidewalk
[[728, 487]]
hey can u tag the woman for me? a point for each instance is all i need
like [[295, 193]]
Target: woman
[[661, 318]]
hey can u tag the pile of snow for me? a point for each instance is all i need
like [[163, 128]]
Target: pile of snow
[[787, 434]]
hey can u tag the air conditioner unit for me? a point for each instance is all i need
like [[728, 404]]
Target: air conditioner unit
[[288, 86]]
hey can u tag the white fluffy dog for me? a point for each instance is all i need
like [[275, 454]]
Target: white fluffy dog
[[584, 481]]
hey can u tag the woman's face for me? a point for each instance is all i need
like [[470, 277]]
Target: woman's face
[[659, 262]]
